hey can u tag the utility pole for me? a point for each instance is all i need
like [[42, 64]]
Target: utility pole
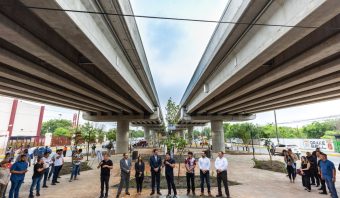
[[277, 134]]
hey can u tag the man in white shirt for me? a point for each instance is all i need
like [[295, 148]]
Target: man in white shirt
[[47, 163], [204, 164], [58, 163], [221, 165]]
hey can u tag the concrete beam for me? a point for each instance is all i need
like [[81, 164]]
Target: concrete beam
[[16, 35], [47, 87], [118, 117], [223, 40], [92, 36], [231, 118], [128, 36], [34, 98], [325, 90], [26, 66], [122, 139], [32, 92], [315, 54], [300, 101], [255, 49], [318, 76]]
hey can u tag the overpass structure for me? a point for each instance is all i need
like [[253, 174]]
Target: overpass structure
[[276, 54], [92, 62]]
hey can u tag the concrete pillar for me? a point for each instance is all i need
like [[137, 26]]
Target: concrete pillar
[[147, 136], [190, 130], [122, 141], [181, 134], [153, 138], [217, 135]]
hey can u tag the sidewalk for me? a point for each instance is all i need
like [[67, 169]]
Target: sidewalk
[[255, 183]]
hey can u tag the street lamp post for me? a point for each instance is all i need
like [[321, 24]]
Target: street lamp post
[[277, 134], [88, 145]]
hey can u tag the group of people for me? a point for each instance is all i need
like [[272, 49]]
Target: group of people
[[46, 166], [315, 169], [157, 164]]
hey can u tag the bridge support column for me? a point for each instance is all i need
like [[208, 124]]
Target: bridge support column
[[181, 134], [122, 139], [217, 134], [153, 138], [147, 136], [190, 130]]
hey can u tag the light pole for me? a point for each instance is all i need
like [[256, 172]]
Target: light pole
[[88, 144], [277, 134]]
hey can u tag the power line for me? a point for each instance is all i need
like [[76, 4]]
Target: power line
[[312, 119], [164, 18]]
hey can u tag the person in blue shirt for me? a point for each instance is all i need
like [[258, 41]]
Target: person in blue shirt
[[18, 171], [328, 173]]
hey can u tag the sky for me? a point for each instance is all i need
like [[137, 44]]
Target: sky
[[174, 48]]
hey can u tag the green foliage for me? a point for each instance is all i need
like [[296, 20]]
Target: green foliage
[[111, 134], [62, 132], [206, 132], [326, 129], [51, 125], [171, 112], [318, 129], [330, 134], [242, 131], [196, 134], [88, 132], [137, 134], [100, 134]]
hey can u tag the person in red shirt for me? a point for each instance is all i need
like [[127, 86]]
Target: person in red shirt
[[190, 164]]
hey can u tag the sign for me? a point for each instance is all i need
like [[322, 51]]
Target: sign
[[323, 144]]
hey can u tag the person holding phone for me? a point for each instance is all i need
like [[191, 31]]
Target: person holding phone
[[105, 169]]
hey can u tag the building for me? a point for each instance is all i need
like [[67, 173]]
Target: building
[[20, 122]]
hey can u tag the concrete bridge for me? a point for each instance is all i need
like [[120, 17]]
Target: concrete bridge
[[251, 66], [91, 62]]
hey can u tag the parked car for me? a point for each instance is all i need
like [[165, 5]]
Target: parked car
[[279, 149], [141, 143]]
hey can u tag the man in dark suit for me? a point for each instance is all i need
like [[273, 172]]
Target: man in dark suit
[[125, 169], [156, 165]]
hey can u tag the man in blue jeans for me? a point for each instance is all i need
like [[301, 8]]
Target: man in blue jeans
[[58, 163], [18, 171], [47, 163], [37, 176], [328, 173], [76, 161]]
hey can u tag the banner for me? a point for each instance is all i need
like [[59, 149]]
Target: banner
[[323, 144]]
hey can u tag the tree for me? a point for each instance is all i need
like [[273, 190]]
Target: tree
[[330, 134], [51, 125], [171, 112], [137, 134], [111, 135], [62, 132], [318, 129], [176, 142], [88, 132]]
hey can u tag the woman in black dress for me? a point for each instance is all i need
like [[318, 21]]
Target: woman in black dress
[[139, 168]]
